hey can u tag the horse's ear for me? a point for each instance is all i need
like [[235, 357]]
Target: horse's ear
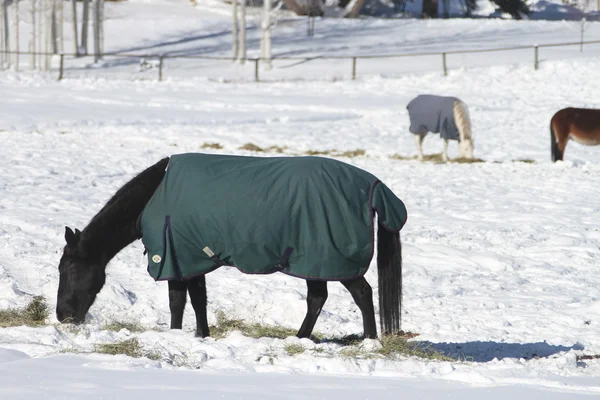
[[72, 237]]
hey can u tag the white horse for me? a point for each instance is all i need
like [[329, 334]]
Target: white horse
[[436, 110]]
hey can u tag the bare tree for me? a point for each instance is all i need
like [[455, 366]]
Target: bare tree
[[265, 42], [3, 34], [243, 51], [48, 34], [75, 38], [16, 24], [6, 32], [85, 19], [585, 6], [101, 29], [32, 47], [2, 51], [60, 19], [98, 29], [235, 30]]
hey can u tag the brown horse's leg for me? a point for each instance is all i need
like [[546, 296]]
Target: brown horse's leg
[[559, 134]]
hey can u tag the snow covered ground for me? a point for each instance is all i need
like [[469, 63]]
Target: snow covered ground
[[501, 257]]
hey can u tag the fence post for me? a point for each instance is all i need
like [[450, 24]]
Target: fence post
[[61, 67], [160, 68], [256, 60], [444, 64], [535, 58], [353, 68]]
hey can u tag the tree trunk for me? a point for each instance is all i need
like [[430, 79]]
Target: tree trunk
[[40, 32], [243, 32], [75, 39], [3, 34], [16, 22], [48, 34], [235, 31], [85, 19], [60, 12], [101, 29], [32, 47], [6, 32], [266, 35]]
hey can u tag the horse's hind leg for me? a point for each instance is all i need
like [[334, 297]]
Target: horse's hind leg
[[197, 290], [177, 299], [315, 298], [559, 134], [363, 297]]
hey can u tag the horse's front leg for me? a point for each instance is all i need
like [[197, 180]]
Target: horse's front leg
[[445, 152], [315, 299], [419, 137], [177, 299], [197, 290]]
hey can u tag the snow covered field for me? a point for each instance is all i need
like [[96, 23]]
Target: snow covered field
[[500, 258]]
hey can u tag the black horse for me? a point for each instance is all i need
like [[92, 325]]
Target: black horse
[[87, 253]]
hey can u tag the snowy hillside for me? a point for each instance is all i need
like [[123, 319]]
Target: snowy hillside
[[500, 257]]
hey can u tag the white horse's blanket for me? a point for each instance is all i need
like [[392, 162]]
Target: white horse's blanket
[[429, 113]]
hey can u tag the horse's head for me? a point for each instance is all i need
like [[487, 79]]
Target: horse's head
[[81, 278]]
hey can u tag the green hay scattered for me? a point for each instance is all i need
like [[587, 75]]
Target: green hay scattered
[[438, 159], [116, 326], [226, 325], [352, 153], [401, 157], [129, 347], [294, 349], [34, 314], [252, 147], [336, 153], [525, 160], [318, 152], [463, 160], [394, 345], [276, 149], [215, 145]]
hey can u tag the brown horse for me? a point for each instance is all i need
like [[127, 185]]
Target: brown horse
[[580, 124]]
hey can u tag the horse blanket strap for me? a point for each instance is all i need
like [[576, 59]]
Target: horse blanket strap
[[429, 113], [309, 217], [285, 258]]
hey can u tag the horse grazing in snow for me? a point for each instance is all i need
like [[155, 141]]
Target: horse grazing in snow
[[307, 217], [579, 124], [447, 116]]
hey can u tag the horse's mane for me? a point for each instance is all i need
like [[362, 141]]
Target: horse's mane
[[125, 206], [463, 120]]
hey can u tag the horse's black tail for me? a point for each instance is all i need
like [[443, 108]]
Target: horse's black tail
[[389, 269], [553, 144]]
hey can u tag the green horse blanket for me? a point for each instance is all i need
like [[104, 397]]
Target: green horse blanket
[[309, 217]]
